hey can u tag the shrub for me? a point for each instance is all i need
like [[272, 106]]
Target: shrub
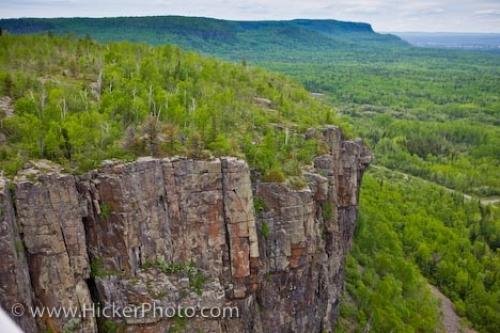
[[274, 176], [97, 268], [105, 211], [265, 230], [259, 205], [297, 183], [327, 211]]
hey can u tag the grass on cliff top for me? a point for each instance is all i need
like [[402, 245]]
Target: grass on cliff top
[[78, 102]]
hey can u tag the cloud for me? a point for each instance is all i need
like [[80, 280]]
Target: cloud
[[488, 12], [42, 2], [432, 11]]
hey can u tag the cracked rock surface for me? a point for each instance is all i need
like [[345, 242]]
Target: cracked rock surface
[[181, 232]]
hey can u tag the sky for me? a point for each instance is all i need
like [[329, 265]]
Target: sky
[[384, 15]]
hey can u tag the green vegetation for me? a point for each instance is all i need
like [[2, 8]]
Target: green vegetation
[[327, 211], [196, 281], [105, 211], [196, 277], [408, 224], [428, 113], [77, 102], [274, 175], [179, 324], [259, 205], [109, 326], [297, 183], [228, 39], [97, 269], [434, 115], [265, 230], [385, 292]]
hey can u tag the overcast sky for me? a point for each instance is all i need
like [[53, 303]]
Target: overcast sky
[[384, 15]]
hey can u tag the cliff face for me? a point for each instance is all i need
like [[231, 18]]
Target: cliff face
[[181, 232]]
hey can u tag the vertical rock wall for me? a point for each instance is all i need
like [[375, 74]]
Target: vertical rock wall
[[49, 218], [181, 232], [15, 285]]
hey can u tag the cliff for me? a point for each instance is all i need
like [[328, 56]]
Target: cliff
[[236, 40], [184, 232]]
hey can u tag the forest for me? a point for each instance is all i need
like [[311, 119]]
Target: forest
[[78, 103], [410, 234], [429, 209], [433, 117]]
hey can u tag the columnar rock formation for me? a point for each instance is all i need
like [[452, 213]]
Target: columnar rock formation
[[181, 232]]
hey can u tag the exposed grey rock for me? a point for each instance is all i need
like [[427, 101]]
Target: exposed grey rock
[[263, 102], [15, 285], [6, 107], [48, 212], [6, 111], [184, 232]]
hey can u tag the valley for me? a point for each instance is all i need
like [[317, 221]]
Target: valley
[[429, 208]]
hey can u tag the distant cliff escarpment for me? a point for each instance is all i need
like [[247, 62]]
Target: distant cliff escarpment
[[251, 40], [184, 232]]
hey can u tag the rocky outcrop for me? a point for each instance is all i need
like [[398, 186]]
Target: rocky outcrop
[[49, 218], [6, 111], [15, 285], [6, 107], [179, 232]]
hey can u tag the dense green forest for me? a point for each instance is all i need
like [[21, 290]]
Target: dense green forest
[[407, 226], [431, 116], [78, 103], [428, 112], [236, 40]]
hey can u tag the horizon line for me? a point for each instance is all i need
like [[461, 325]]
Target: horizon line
[[249, 20]]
